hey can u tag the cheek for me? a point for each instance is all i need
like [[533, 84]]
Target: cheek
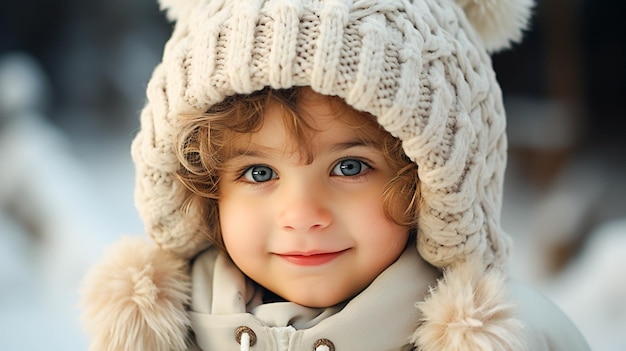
[[374, 225], [241, 224], [230, 213]]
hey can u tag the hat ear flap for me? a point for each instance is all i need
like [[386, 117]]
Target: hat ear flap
[[499, 23]]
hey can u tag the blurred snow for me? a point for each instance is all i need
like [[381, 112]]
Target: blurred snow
[[58, 212], [593, 289], [568, 222]]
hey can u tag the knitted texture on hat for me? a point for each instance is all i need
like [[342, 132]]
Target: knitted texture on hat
[[418, 66]]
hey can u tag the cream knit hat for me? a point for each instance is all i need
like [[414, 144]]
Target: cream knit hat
[[422, 67]]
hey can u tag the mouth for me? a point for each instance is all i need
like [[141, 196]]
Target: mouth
[[312, 258]]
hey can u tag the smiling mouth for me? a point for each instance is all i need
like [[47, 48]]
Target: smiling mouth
[[310, 258]]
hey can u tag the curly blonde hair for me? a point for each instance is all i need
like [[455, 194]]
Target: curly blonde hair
[[203, 146]]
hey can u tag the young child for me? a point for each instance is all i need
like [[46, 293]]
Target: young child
[[323, 175]]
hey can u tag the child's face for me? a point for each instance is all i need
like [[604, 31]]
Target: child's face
[[312, 232]]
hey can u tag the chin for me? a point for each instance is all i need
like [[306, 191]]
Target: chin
[[319, 301], [317, 304]]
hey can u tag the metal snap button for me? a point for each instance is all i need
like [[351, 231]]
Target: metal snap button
[[324, 342], [245, 330]]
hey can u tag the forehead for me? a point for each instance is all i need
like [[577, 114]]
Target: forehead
[[308, 124]]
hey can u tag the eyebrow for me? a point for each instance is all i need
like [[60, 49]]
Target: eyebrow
[[260, 151], [249, 152], [352, 144]]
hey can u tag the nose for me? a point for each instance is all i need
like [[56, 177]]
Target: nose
[[304, 209]]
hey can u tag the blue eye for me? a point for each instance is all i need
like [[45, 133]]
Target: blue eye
[[349, 168], [260, 174]]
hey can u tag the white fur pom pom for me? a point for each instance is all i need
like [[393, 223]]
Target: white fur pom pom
[[498, 22], [469, 310], [174, 9], [135, 299]]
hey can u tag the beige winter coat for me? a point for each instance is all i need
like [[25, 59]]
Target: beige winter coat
[[215, 308]]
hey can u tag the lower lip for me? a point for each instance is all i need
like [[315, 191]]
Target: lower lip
[[311, 260]]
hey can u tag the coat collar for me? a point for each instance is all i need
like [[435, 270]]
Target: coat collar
[[386, 309]]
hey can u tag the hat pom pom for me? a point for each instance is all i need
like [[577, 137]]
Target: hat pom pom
[[135, 299], [469, 310], [499, 23], [174, 9]]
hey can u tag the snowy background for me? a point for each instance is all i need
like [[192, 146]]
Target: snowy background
[[72, 80]]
